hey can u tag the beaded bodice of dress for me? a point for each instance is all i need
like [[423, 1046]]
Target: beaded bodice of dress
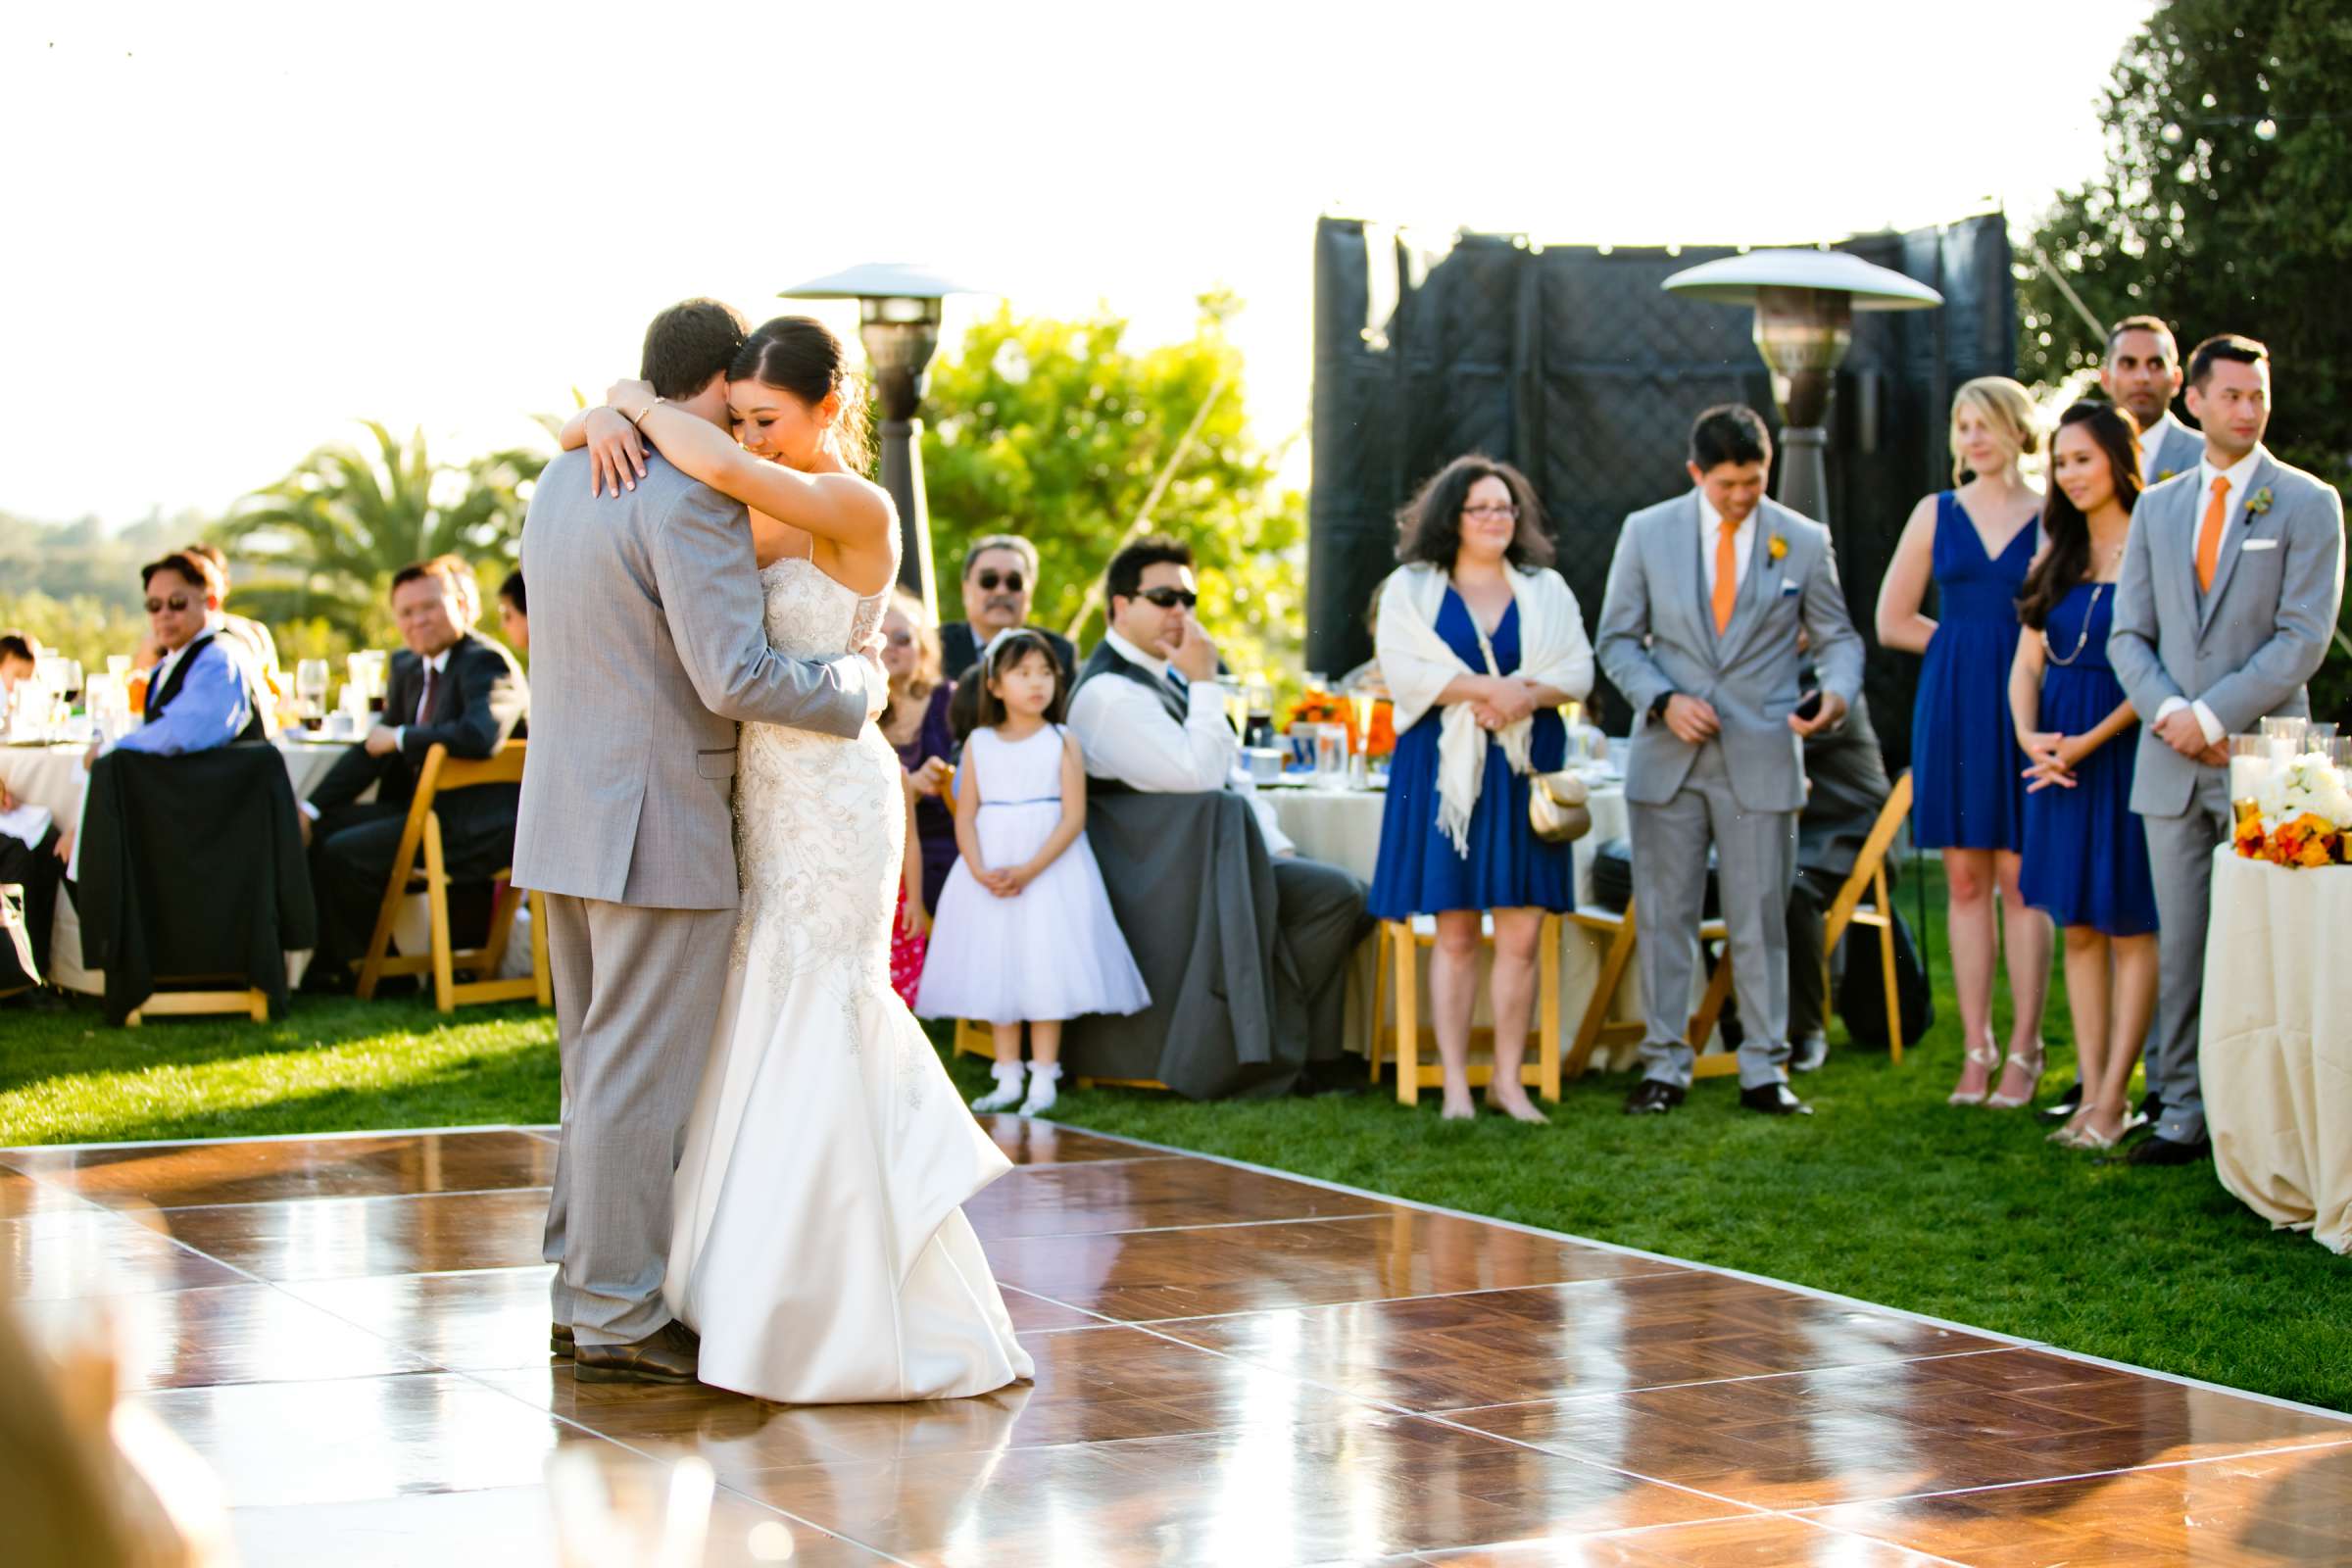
[[819, 821]]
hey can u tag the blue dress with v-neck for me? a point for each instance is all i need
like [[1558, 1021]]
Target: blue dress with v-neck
[[1967, 773]]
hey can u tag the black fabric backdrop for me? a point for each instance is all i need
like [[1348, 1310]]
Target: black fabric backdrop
[[1572, 363]]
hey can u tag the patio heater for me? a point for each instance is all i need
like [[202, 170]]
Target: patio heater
[[1804, 302], [897, 320]]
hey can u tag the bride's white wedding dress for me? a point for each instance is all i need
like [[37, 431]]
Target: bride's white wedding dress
[[819, 1248]]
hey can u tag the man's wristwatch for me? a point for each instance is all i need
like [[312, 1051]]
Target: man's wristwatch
[[1657, 706]]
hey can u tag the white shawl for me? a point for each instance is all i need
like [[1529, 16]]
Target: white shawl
[[1417, 665]]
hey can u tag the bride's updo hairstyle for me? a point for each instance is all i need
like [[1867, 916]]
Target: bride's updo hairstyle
[[800, 355]]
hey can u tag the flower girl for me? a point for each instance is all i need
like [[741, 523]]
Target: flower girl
[[1024, 932]]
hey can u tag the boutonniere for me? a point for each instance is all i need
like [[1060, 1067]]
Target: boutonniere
[[2163, 474], [1776, 547], [2259, 502]]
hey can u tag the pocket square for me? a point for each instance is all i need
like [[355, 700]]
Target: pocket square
[[1790, 590], [2260, 544]]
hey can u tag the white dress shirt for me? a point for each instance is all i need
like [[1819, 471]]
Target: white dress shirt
[[2151, 441], [1710, 531], [2239, 474], [1126, 734]]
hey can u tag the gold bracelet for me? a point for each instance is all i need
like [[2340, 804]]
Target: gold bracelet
[[639, 422]]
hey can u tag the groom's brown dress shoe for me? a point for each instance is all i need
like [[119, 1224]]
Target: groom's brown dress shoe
[[559, 1341], [669, 1354]]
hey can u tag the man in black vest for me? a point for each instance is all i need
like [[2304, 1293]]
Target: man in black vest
[[1150, 718], [201, 693], [449, 687]]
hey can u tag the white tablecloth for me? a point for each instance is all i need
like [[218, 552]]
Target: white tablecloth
[[2275, 1053], [53, 776], [1342, 828]]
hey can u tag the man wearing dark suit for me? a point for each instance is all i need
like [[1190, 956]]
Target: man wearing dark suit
[[449, 687], [1000, 582], [1848, 788]]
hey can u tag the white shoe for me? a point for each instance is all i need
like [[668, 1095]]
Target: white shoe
[[1041, 1092], [1008, 1092]]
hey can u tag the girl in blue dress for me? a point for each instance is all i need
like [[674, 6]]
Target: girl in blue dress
[[2087, 854], [1976, 543], [1480, 643]]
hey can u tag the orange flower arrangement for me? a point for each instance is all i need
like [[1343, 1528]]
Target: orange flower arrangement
[[1324, 708], [2308, 840]]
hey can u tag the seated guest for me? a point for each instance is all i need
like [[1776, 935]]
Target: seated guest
[[514, 614], [17, 662], [38, 867], [449, 687], [1845, 775], [1481, 642], [201, 692], [1150, 718], [252, 635], [1000, 580], [916, 723]]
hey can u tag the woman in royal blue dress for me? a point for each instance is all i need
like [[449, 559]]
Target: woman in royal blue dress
[[1480, 643], [2087, 854], [1975, 543]]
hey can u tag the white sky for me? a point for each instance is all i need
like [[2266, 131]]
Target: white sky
[[230, 231]]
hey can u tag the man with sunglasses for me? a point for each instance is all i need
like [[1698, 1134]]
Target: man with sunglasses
[[201, 693], [1000, 579], [1151, 720]]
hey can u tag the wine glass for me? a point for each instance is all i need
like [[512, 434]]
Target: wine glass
[[309, 691]]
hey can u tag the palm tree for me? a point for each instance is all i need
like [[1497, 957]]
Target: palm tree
[[328, 536]]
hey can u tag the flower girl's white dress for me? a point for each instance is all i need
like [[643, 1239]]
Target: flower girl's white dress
[[1053, 951]]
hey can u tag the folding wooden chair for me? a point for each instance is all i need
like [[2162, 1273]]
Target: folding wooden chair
[[418, 866], [1597, 1029], [1869, 875], [1400, 943]]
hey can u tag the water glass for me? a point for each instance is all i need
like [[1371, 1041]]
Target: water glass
[[1331, 755], [309, 691], [118, 666]]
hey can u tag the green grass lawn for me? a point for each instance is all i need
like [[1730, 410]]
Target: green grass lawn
[[1886, 1193]]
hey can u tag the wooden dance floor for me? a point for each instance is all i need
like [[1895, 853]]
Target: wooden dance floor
[[1232, 1367]]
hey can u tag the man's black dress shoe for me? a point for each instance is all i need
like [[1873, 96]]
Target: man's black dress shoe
[[2158, 1150], [559, 1341], [669, 1354], [1773, 1100], [2066, 1104], [1653, 1096]]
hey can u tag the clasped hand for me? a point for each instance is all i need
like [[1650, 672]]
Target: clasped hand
[[2052, 757], [1502, 701], [2181, 730], [1006, 882], [615, 448]]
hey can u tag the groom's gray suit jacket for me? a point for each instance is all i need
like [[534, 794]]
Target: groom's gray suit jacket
[[648, 643], [1657, 634], [2246, 647]]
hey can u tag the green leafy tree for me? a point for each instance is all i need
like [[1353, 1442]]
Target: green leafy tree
[[327, 537], [2226, 205], [1057, 429]]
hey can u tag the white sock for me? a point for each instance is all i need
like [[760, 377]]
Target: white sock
[[1008, 1092], [1042, 1094]]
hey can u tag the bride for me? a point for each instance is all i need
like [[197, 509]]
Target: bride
[[818, 1247]]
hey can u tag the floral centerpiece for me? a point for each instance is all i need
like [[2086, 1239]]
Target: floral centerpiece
[[2302, 815], [1316, 706]]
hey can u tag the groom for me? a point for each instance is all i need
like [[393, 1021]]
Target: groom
[[648, 645], [2233, 575]]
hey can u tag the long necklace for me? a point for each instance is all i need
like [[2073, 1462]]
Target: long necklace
[[2089, 614]]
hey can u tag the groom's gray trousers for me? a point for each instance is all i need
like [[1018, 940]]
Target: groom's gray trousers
[[1755, 854], [637, 994]]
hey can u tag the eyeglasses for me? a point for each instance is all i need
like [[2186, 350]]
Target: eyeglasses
[[1489, 509], [988, 579], [1169, 598], [901, 639], [177, 604]]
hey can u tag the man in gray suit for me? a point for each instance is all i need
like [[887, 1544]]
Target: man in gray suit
[[2141, 375], [2231, 579], [648, 643], [1699, 630]]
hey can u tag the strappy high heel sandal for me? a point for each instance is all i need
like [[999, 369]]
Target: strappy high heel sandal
[[2032, 1066], [1983, 1055]]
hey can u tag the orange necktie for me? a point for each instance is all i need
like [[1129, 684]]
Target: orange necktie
[[2208, 537], [1727, 577]]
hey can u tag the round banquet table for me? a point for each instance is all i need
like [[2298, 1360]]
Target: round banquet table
[[1342, 827], [2274, 1048], [53, 776]]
